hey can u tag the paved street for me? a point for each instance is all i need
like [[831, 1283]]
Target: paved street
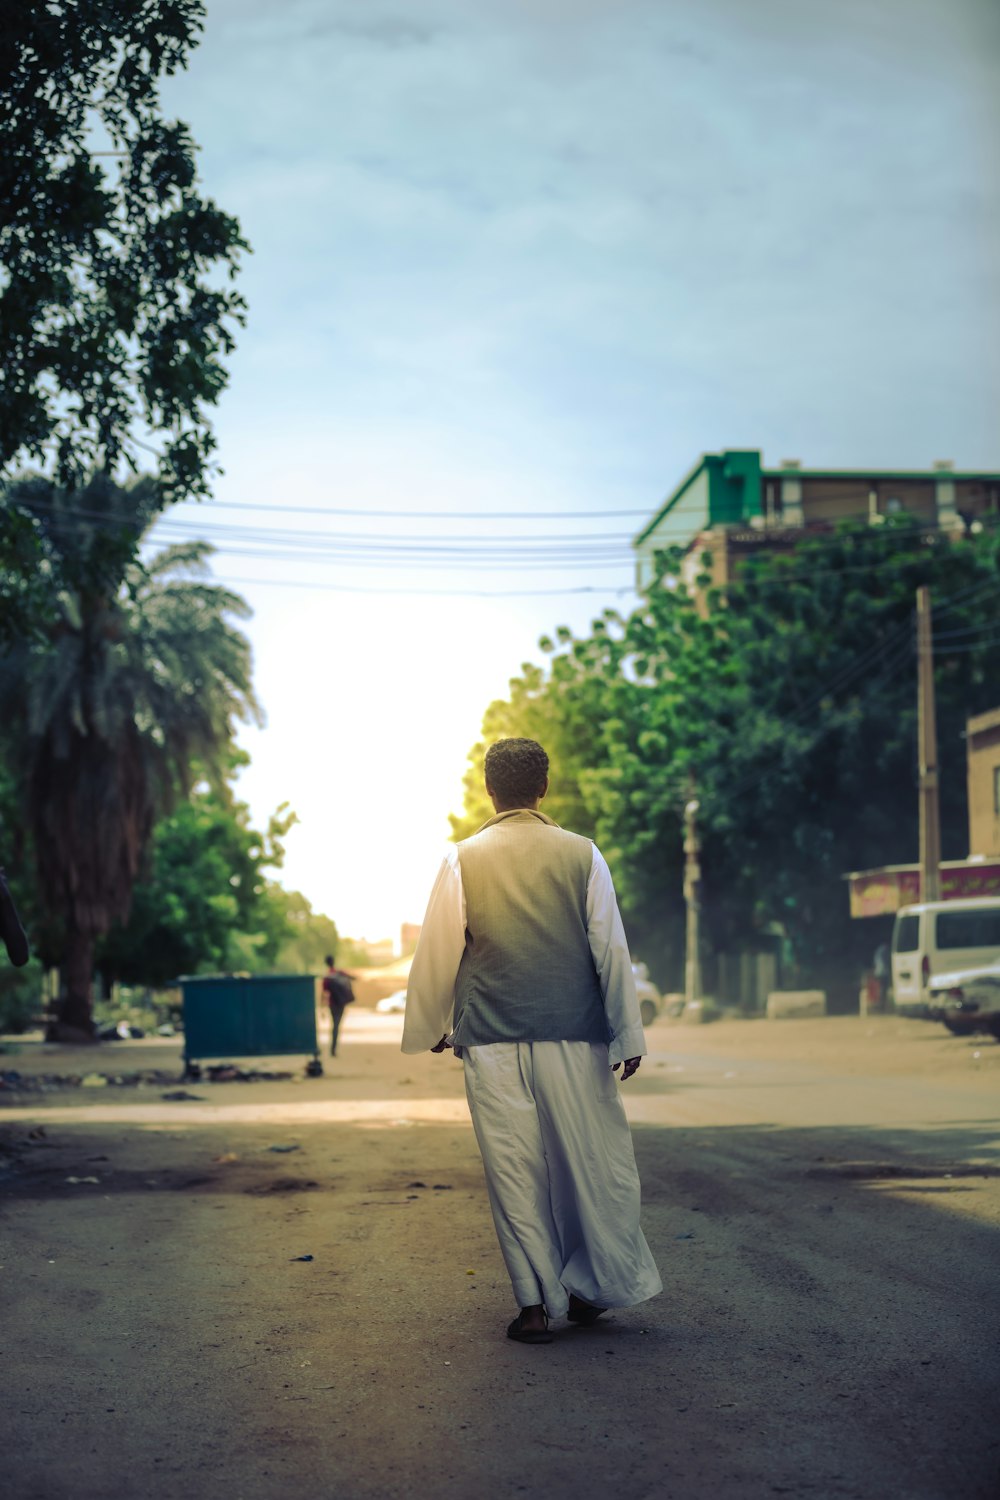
[[823, 1199]]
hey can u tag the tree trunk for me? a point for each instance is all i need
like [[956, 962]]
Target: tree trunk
[[74, 1012]]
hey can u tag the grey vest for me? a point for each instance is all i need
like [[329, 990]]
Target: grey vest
[[527, 973]]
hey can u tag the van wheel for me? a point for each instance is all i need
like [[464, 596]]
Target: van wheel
[[647, 1010]]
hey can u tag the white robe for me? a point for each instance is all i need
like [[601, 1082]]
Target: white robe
[[556, 1146], [560, 1172]]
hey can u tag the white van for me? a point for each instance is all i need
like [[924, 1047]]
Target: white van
[[938, 936]]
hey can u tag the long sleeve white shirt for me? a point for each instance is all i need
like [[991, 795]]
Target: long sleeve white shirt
[[430, 990]]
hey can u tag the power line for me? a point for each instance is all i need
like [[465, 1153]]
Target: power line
[[977, 590], [163, 520], [429, 515], [495, 553], [978, 645], [415, 548], [353, 543], [864, 525], [349, 588], [970, 633], [468, 562], [394, 536]]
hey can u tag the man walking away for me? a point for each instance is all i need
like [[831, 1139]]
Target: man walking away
[[339, 992], [523, 968]]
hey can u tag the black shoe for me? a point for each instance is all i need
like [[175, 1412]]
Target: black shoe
[[523, 1335], [581, 1312]]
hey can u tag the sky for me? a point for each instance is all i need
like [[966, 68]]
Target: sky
[[515, 267]]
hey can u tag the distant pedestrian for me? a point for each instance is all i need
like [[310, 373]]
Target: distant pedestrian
[[881, 974], [339, 992], [523, 965]]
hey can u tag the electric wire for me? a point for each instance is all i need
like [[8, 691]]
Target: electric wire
[[472, 563], [972, 646], [965, 596], [428, 515], [966, 632], [410, 593], [410, 550], [602, 551], [849, 673], [362, 545]]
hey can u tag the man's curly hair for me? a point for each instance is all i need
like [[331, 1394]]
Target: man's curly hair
[[516, 771]]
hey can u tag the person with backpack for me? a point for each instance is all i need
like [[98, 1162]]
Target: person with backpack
[[339, 992]]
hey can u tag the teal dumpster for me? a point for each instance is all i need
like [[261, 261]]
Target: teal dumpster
[[251, 1015]]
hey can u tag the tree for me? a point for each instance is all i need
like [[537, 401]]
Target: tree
[[115, 307], [26, 579], [311, 935], [560, 710], [791, 701], [105, 720], [788, 700], [116, 302], [204, 903]]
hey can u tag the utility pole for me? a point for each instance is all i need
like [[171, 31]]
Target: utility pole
[[930, 816], [692, 898]]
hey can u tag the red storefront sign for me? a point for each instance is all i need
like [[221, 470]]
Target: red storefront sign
[[876, 893]]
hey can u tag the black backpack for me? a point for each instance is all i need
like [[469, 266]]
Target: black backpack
[[338, 988]]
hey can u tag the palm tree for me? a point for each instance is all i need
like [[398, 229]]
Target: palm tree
[[141, 678]]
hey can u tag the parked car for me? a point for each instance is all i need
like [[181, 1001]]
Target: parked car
[[940, 937], [392, 1005], [650, 999], [119, 1031], [968, 1000]]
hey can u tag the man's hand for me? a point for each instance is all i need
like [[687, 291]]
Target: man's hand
[[441, 1046], [631, 1066]]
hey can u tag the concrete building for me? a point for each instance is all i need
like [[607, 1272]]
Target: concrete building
[[730, 506], [983, 752]]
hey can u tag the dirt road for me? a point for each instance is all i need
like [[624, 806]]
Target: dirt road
[[823, 1199]]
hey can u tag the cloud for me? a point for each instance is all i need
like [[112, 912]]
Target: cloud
[[515, 253], [549, 219]]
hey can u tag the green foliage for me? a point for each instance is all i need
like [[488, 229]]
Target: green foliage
[[114, 305], [559, 709], [205, 906], [792, 702], [311, 935], [27, 590], [789, 703], [22, 1001], [103, 718]]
